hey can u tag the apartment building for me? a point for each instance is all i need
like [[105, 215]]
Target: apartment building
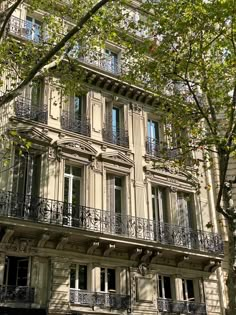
[[91, 219]]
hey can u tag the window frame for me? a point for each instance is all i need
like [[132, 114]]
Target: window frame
[[106, 283], [33, 36], [77, 281]]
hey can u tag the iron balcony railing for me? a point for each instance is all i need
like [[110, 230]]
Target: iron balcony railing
[[102, 61], [18, 294], [155, 148], [50, 211], [25, 108], [180, 307], [79, 125], [118, 136], [100, 299], [25, 29]]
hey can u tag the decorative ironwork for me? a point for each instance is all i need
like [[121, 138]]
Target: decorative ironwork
[[180, 307], [103, 61], [50, 211], [117, 136], [103, 300], [19, 294], [24, 108], [25, 29], [158, 149], [79, 125]]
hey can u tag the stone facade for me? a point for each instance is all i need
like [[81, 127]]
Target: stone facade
[[92, 220]]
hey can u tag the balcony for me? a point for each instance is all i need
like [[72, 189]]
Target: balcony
[[16, 294], [25, 109], [48, 211], [79, 125], [118, 136], [102, 61], [157, 149], [99, 299], [25, 29], [180, 307]]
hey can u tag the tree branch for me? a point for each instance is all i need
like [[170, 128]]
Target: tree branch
[[51, 53], [8, 16]]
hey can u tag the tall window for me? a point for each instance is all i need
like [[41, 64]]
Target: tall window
[[72, 195], [111, 61], [188, 290], [26, 174], [16, 271], [159, 204], [114, 193], [164, 285], [153, 140], [33, 29], [78, 277], [153, 129], [184, 209], [108, 279]]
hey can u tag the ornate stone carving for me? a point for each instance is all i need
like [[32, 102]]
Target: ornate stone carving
[[135, 108], [143, 269]]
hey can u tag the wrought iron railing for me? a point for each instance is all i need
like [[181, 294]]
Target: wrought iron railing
[[50, 211], [158, 149], [180, 307], [117, 136], [19, 294], [103, 61], [25, 108], [79, 125], [103, 300], [25, 29]]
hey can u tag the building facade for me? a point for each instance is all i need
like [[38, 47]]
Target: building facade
[[92, 221]]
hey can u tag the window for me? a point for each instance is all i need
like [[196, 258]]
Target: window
[[184, 209], [115, 194], [159, 204], [188, 290], [108, 279], [78, 277], [16, 271], [153, 138], [111, 61], [164, 285], [33, 29], [26, 173], [153, 129], [72, 195]]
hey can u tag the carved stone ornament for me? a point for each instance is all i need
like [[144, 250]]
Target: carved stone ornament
[[143, 269], [173, 189], [135, 107]]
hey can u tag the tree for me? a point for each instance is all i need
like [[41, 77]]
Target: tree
[[22, 62], [191, 67]]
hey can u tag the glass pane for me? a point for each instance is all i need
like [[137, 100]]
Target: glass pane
[[37, 31], [115, 118], [118, 181], [77, 106], [66, 189], [154, 208], [83, 277], [76, 192], [22, 272], [190, 290], [76, 171], [160, 287], [102, 279], [72, 278], [35, 93], [67, 169], [111, 278], [167, 287], [184, 289], [117, 201]]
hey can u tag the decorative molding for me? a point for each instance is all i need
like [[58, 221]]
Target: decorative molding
[[136, 253], [8, 233], [92, 247], [135, 107], [110, 248], [33, 133], [43, 240], [143, 269], [76, 145], [116, 157]]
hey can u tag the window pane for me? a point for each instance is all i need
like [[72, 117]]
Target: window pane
[[118, 201], [76, 192], [76, 171], [190, 290], [66, 189], [83, 277], [67, 169], [167, 287], [160, 287], [118, 181], [102, 279], [72, 278], [77, 106], [111, 278]]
